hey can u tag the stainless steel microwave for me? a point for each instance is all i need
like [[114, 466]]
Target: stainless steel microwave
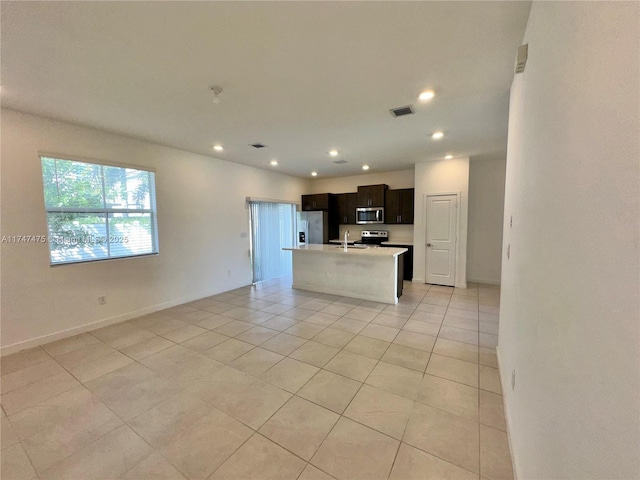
[[369, 215]]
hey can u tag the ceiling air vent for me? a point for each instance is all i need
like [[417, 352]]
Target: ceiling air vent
[[258, 145], [401, 111], [340, 162]]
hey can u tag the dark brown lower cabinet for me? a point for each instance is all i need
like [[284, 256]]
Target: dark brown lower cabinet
[[407, 261]]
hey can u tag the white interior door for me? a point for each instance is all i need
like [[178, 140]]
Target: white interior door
[[440, 252]]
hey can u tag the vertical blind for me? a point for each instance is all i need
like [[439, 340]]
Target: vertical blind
[[272, 229]]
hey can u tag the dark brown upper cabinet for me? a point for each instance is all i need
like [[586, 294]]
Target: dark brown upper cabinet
[[399, 206], [347, 203], [371, 195], [319, 201]]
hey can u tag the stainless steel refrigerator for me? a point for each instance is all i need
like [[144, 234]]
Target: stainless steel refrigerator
[[314, 226]]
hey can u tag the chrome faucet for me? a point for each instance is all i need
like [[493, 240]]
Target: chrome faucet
[[346, 235]]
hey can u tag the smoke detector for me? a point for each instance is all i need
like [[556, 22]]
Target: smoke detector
[[217, 91]]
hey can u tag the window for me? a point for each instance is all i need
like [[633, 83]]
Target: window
[[97, 212]]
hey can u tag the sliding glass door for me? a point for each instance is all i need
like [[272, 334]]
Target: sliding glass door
[[272, 229]]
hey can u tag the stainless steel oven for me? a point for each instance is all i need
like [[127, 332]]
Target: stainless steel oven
[[365, 215], [373, 237]]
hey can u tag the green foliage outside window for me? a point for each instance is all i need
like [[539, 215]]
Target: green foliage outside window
[[93, 210]]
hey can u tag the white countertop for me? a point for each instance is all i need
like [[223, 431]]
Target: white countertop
[[389, 243], [338, 250], [399, 242]]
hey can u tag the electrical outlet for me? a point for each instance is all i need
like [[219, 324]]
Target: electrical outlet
[[228, 273], [511, 221], [102, 300], [513, 380]]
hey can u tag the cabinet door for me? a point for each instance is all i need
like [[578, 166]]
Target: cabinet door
[[377, 194], [371, 195], [307, 203], [408, 263], [341, 201], [321, 201], [406, 199], [364, 196], [346, 206], [392, 207], [351, 203], [408, 266], [334, 216]]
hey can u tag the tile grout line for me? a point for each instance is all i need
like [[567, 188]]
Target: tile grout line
[[341, 415], [340, 349], [479, 406], [413, 401]]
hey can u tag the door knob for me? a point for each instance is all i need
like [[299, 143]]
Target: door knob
[[429, 245]]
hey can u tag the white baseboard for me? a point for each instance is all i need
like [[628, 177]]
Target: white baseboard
[[70, 332], [421, 280], [485, 281], [506, 417]]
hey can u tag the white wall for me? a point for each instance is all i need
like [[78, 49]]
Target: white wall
[[201, 214], [569, 314], [442, 176], [486, 211], [396, 179]]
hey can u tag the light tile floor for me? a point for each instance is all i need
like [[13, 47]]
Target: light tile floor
[[267, 383]]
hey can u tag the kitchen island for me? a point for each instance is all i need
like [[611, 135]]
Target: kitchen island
[[367, 273]]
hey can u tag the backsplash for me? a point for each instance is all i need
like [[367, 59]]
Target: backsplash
[[396, 232]]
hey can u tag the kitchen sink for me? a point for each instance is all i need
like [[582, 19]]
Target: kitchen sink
[[360, 247]]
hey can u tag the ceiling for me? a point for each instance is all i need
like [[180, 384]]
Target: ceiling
[[300, 77]]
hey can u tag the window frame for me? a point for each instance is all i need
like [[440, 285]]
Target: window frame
[[103, 211]]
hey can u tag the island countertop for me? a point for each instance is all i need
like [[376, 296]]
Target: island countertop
[[351, 250], [398, 243], [371, 273]]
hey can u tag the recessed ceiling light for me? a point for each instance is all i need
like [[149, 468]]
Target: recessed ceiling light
[[274, 162], [314, 174], [218, 148], [365, 167], [448, 157], [333, 153], [426, 95], [437, 135]]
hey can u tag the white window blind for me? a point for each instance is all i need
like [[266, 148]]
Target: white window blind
[[272, 229], [97, 212]]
